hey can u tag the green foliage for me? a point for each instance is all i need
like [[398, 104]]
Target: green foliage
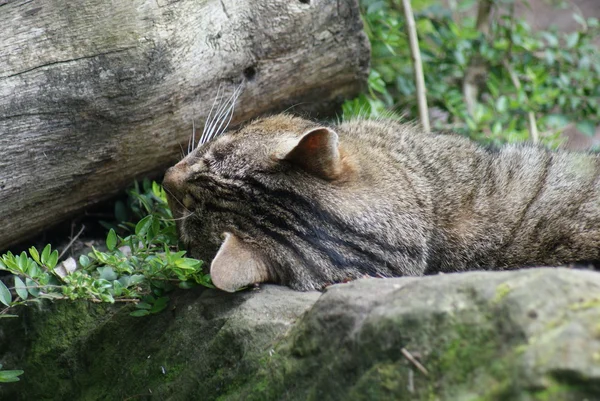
[[139, 266], [8, 376], [559, 74]]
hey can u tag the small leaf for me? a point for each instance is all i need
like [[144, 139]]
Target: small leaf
[[107, 273], [572, 39], [143, 305], [111, 240], [5, 296], [34, 254], [20, 288], [142, 226], [3, 316], [139, 313], [136, 279], [84, 261], [46, 254], [52, 260], [160, 304], [117, 288], [32, 287], [22, 261], [9, 376]]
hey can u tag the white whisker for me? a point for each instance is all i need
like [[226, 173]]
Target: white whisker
[[182, 152], [193, 132], [210, 116], [213, 123], [228, 113]]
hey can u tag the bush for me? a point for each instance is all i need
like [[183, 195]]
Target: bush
[[558, 74]]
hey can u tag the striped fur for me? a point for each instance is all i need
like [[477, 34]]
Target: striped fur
[[401, 202]]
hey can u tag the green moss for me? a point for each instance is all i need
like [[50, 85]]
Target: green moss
[[501, 291], [590, 303]]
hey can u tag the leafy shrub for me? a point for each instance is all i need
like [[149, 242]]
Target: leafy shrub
[[559, 73], [140, 266]]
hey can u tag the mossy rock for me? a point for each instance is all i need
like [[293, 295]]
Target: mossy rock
[[521, 335]]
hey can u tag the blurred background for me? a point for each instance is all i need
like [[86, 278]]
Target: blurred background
[[490, 66]]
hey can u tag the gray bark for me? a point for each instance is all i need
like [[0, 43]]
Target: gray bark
[[96, 93]]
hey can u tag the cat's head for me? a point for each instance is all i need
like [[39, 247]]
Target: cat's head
[[243, 199]]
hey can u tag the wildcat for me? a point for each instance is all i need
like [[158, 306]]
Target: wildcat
[[294, 202]]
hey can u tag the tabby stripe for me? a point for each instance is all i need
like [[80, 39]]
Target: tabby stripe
[[325, 216], [336, 258], [311, 226]]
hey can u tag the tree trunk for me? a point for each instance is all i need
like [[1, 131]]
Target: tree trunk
[[94, 94]]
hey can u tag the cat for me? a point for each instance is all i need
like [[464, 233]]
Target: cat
[[291, 201]]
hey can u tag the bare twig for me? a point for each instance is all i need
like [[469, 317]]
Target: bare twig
[[418, 66], [477, 69], [412, 359], [70, 244], [531, 121]]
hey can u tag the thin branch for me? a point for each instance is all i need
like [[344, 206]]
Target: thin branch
[[418, 66], [412, 359], [70, 244], [477, 69], [531, 121]]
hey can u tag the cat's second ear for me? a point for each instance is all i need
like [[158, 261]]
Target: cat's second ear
[[318, 153], [237, 265]]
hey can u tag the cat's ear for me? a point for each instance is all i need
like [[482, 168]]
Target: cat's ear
[[318, 153], [237, 265]]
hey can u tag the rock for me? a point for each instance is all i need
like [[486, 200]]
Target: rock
[[530, 334]]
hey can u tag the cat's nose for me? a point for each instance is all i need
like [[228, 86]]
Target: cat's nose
[[175, 177]]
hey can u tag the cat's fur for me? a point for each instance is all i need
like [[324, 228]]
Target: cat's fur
[[289, 201]]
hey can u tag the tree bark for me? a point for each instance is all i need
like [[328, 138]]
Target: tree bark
[[94, 94]]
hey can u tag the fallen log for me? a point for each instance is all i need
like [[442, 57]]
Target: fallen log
[[95, 94]]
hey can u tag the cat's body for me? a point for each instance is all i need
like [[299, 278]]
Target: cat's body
[[289, 201]]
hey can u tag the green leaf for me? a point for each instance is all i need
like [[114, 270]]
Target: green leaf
[[107, 298], [107, 273], [160, 304], [9, 376], [143, 305], [46, 254], [117, 288], [5, 296], [52, 260], [20, 288], [139, 313], [32, 269], [32, 287], [142, 226], [34, 254], [188, 264], [22, 261], [572, 39], [501, 104], [84, 261], [111, 240], [587, 127], [3, 316]]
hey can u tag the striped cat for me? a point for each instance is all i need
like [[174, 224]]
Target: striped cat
[[290, 201]]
